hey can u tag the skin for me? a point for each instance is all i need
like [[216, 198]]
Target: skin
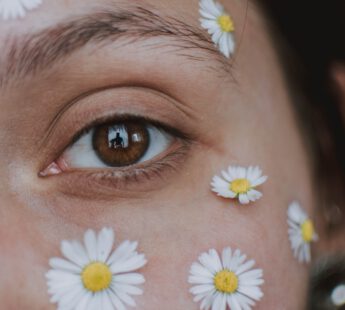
[[243, 118]]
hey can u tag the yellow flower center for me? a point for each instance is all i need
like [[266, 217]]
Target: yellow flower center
[[240, 186], [226, 23], [308, 231], [96, 277], [226, 281]]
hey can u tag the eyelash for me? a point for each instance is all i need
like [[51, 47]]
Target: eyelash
[[123, 178], [130, 118]]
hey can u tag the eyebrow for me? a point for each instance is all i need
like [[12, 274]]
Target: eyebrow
[[29, 55]]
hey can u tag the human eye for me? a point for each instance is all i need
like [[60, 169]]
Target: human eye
[[124, 152], [119, 143]]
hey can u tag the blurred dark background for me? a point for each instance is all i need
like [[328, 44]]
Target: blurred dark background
[[314, 32]]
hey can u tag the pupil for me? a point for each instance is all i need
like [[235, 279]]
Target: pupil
[[121, 144]]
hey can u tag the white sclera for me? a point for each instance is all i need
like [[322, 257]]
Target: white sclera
[[338, 295], [82, 155]]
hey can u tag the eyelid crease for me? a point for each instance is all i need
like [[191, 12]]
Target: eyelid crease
[[183, 107]]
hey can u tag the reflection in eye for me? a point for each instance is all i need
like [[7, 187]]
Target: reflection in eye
[[117, 144]]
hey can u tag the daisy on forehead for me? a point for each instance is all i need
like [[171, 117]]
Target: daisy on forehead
[[219, 25], [12, 9], [301, 232], [93, 276], [240, 183], [225, 282]]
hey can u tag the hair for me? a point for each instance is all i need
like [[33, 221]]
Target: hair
[[313, 35]]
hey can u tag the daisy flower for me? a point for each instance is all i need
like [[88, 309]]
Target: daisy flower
[[219, 25], [301, 232], [338, 295], [226, 282], [12, 9], [91, 276], [239, 182]]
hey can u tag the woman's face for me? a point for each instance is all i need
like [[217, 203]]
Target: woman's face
[[66, 67]]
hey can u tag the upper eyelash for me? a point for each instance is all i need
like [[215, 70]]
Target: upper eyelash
[[125, 118]]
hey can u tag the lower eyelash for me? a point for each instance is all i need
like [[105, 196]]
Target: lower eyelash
[[130, 174], [124, 181]]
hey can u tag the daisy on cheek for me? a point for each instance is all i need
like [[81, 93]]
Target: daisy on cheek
[[240, 183], [301, 232], [226, 282], [92, 276]]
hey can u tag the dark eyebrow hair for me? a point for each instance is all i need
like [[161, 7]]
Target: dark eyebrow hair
[[30, 54]]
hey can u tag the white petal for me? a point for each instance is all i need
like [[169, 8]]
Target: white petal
[[95, 302], [84, 302], [104, 244], [209, 24], [338, 295], [253, 292], [226, 257], [259, 181], [199, 270], [210, 7], [106, 301], [233, 172], [124, 250], [243, 198], [241, 172], [244, 267], [254, 195], [219, 302], [90, 241], [59, 263], [200, 280], [296, 213], [202, 288], [226, 175], [130, 278], [71, 252], [234, 303], [125, 288], [209, 261], [224, 48], [116, 301], [128, 265], [11, 9]]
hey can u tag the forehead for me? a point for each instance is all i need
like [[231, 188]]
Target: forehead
[[72, 19], [51, 12]]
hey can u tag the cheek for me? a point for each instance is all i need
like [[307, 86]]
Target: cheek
[[173, 227], [198, 222], [23, 260]]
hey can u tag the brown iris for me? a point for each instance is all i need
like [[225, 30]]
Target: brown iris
[[121, 144]]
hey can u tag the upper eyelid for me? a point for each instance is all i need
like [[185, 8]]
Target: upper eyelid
[[102, 104], [184, 108]]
